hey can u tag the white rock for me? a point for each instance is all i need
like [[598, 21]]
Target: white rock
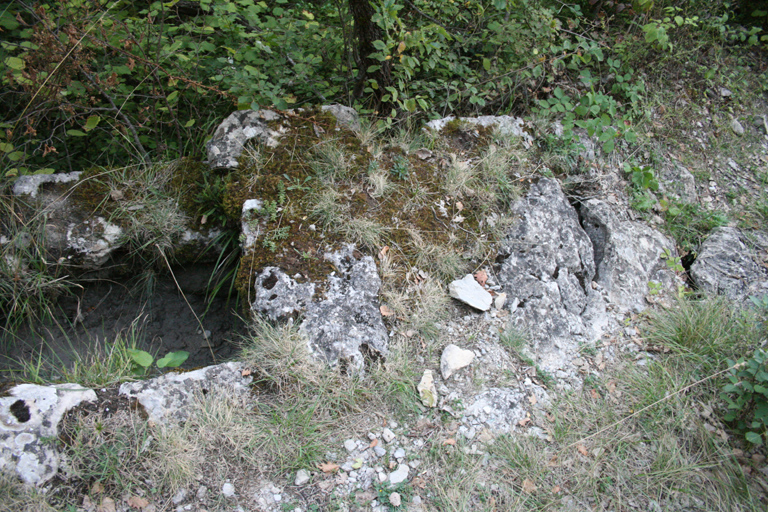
[[395, 499], [736, 127], [388, 435], [500, 300], [427, 389], [469, 291], [350, 445], [228, 490], [400, 475], [399, 453], [302, 477], [179, 496], [454, 358]]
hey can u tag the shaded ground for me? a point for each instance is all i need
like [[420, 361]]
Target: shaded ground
[[161, 321]]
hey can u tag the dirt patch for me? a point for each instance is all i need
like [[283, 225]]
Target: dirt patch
[[162, 319]]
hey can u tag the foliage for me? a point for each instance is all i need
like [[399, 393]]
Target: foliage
[[747, 396], [142, 360]]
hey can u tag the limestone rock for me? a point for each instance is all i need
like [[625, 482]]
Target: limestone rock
[[454, 358], [30, 185], [469, 291], [400, 475], [277, 295], [500, 410], [427, 390], [627, 255], [736, 127], [346, 117], [29, 416], [546, 270], [165, 398], [302, 477], [677, 180], [727, 266], [345, 327], [229, 139], [505, 125]]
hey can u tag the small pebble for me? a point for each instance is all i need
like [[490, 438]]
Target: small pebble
[[395, 499], [228, 490]]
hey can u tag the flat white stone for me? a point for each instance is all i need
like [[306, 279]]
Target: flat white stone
[[469, 291]]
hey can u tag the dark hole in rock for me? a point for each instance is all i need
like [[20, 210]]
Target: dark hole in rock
[[270, 281], [159, 320], [273, 296], [20, 411], [371, 356]]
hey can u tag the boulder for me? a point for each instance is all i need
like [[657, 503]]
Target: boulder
[[727, 265], [627, 255], [547, 270], [344, 326], [346, 117], [230, 138], [29, 418]]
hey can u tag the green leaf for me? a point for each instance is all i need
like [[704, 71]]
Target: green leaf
[[91, 123], [14, 63], [140, 357], [487, 64], [173, 359], [47, 170], [754, 438], [630, 136], [172, 96], [189, 123], [608, 146], [15, 156], [6, 147], [75, 133]]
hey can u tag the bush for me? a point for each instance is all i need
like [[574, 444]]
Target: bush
[[747, 396]]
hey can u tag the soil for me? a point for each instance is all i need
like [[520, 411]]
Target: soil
[[163, 320]]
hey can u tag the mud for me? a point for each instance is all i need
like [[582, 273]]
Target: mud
[[159, 319]]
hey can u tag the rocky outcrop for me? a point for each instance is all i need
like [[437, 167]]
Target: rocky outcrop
[[29, 417], [569, 279], [627, 255], [230, 138], [76, 236], [726, 265], [547, 272], [167, 398], [232, 135]]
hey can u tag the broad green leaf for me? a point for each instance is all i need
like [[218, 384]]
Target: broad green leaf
[[14, 63], [91, 123], [75, 133], [754, 438], [140, 357], [172, 96], [189, 123], [608, 146], [173, 359], [487, 64], [47, 170], [630, 136], [6, 147], [15, 156]]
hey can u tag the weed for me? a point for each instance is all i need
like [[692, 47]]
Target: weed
[[29, 283], [400, 167], [690, 223], [330, 161]]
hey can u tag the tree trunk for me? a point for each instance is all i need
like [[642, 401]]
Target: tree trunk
[[366, 32]]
